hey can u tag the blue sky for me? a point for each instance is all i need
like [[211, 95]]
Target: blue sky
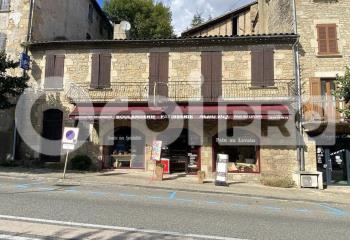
[[183, 10]]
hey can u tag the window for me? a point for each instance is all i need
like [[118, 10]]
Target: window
[[159, 73], [4, 5], [263, 67], [54, 72], [327, 39], [2, 41], [235, 26], [101, 71], [91, 13]]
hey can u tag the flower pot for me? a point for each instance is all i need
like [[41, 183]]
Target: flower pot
[[201, 176]]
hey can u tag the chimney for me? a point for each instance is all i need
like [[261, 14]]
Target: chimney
[[119, 31]]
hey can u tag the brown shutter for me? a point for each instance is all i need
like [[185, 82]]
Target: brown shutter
[[257, 67], [216, 61], [49, 70], [322, 39], [332, 39], [59, 71], [206, 66], [163, 79], [269, 67], [95, 70], [105, 71], [315, 97], [153, 71]]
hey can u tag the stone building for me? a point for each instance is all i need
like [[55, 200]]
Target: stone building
[[51, 20], [324, 53]]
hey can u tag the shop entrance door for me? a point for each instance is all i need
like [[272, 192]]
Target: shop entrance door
[[336, 163]]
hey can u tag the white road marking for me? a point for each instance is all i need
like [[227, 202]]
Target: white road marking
[[8, 237], [106, 227]]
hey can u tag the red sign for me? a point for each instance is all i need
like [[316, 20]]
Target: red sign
[[166, 163]]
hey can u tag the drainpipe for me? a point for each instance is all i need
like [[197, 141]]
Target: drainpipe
[[28, 39], [298, 85]]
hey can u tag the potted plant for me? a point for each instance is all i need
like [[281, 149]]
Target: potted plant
[[159, 171], [201, 176]]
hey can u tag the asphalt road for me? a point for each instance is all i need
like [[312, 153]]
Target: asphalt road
[[191, 214]]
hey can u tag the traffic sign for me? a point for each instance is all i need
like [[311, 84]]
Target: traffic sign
[[70, 135]]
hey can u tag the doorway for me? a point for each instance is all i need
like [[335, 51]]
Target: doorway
[[334, 162], [52, 130]]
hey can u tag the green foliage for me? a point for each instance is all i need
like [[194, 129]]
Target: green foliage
[[10, 86], [277, 181], [81, 163], [197, 20], [342, 91], [148, 19]]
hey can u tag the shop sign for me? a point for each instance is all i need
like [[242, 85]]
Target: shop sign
[[221, 170], [156, 150]]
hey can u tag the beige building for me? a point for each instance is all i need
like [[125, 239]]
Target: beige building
[[51, 20]]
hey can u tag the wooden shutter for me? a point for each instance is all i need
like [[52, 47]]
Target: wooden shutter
[[59, 71], [206, 66], [153, 71], [95, 70], [269, 67], [105, 71], [216, 79], [332, 39], [49, 70], [327, 39], [257, 67], [163, 79], [315, 96]]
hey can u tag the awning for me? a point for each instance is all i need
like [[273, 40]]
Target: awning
[[236, 112]]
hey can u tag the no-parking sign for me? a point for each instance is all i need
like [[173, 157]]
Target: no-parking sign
[[70, 138]]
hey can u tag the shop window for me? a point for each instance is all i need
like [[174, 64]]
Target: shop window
[[244, 157]]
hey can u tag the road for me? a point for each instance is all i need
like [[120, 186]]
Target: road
[[161, 214]]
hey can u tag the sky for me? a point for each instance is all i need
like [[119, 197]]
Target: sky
[[183, 10]]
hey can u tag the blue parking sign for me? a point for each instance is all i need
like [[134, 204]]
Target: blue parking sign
[[25, 61]]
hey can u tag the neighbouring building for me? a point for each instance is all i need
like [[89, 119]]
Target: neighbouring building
[[45, 20], [324, 53]]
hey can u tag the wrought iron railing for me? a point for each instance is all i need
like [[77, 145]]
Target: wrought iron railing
[[182, 91]]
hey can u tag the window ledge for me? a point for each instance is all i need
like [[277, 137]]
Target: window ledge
[[5, 10], [53, 89], [334, 55]]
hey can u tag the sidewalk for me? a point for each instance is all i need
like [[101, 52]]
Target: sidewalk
[[181, 182]]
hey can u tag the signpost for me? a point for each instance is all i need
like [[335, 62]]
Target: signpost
[[69, 140], [221, 170]]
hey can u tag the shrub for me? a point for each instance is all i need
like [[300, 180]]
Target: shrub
[[278, 181], [81, 163]]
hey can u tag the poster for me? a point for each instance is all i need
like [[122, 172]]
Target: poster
[[221, 170], [156, 150]]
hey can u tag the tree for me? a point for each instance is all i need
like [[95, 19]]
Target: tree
[[10, 86], [342, 91], [148, 19], [197, 19]]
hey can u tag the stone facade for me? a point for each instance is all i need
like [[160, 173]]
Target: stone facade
[[132, 65]]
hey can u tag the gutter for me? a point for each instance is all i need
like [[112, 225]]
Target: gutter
[[298, 85]]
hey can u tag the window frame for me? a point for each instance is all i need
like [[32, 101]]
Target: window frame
[[327, 39]]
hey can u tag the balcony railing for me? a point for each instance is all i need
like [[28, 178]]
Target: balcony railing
[[183, 91]]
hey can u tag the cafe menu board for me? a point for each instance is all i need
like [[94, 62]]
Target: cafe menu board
[[221, 170], [156, 150]]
